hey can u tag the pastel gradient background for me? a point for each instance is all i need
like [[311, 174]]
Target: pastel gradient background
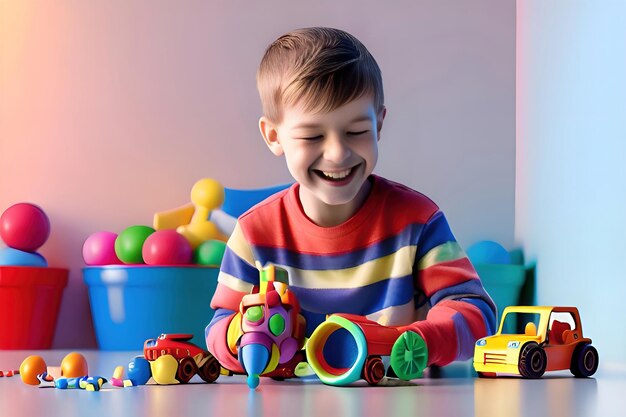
[[571, 154], [111, 110]]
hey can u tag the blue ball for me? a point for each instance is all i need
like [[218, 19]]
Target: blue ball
[[488, 252], [139, 371], [16, 257]]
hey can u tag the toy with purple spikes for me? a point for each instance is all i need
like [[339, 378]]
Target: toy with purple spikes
[[271, 325]]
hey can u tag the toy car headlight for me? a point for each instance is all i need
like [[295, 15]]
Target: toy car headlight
[[481, 342], [513, 345]]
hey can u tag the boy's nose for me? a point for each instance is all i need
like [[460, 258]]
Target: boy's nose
[[335, 149]]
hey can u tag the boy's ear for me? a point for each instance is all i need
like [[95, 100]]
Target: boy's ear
[[380, 117], [269, 131]]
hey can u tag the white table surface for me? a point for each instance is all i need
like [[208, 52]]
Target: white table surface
[[458, 394]]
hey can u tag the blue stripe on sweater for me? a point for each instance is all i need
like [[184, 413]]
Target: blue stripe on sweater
[[363, 300], [489, 315], [324, 262], [473, 287], [235, 266], [436, 232], [465, 340], [220, 314]]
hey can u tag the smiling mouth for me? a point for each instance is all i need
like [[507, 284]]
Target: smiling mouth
[[335, 176]]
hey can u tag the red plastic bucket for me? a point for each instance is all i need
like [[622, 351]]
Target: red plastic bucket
[[30, 298]]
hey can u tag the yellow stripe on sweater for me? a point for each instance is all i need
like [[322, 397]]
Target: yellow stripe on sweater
[[234, 283], [239, 245], [396, 265], [449, 251]]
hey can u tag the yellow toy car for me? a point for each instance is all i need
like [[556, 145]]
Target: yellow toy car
[[552, 340]]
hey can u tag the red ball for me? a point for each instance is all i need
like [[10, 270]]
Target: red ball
[[166, 247], [24, 226]]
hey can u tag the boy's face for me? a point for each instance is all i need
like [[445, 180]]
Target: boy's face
[[329, 154]]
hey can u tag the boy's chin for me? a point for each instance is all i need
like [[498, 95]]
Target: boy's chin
[[336, 197]]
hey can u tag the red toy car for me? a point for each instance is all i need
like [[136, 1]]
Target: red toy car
[[361, 343], [191, 358]]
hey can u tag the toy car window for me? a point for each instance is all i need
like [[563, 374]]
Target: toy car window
[[563, 317], [514, 323]]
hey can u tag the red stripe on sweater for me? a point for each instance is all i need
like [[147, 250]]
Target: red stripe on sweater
[[225, 297], [444, 275], [275, 220]]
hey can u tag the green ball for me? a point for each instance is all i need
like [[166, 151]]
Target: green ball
[[129, 243], [209, 253]]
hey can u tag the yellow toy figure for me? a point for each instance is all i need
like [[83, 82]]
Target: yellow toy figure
[[192, 220]]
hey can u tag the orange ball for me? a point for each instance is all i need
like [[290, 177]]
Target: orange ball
[[31, 367], [74, 365]]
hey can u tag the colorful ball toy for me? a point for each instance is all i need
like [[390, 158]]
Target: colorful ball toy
[[129, 244], [31, 367], [74, 365], [16, 257], [24, 226], [99, 249], [139, 371], [209, 253], [167, 247]]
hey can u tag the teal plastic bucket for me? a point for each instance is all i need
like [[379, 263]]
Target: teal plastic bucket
[[503, 283], [130, 304]]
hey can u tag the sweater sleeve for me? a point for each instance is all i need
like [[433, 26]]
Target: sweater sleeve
[[460, 311], [237, 277]]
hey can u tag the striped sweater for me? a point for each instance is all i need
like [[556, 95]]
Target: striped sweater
[[395, 261]]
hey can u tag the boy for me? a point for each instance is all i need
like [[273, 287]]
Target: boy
[[351, 241]]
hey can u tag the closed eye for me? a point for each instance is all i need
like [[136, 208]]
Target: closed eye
[[311, 137], [358, 133]]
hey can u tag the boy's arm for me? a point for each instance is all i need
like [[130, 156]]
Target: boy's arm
[[237, 277], [461, 311]]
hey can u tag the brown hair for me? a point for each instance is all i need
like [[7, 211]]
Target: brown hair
[[320, 68]]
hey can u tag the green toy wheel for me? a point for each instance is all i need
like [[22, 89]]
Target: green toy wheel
[[409, 356]]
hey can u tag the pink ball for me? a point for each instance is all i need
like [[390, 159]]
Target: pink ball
[[25, 227], [99, 249], [166, 247]]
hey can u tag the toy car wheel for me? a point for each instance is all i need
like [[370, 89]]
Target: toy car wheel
[[585, 360], [409, 356], [187, 368], [373, 370], [532, 361], [210, 371]]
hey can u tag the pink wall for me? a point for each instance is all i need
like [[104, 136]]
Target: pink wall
[[109, 111]]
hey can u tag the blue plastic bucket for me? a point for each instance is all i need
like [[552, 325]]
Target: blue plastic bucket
[[237, 201], [130, 304]]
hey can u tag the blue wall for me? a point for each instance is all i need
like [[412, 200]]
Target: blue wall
[[571, 158]]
